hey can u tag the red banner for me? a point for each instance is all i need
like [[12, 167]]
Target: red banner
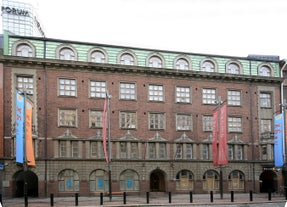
[[215, 138], [104, 130], [28, 134], [222, 148]]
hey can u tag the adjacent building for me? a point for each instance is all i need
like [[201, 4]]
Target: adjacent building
[[161, 118]]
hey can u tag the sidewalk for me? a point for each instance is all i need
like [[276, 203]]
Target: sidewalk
[[240, 199]]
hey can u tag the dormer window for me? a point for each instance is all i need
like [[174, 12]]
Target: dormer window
[[127, 59], [155, 62], [67, 54], [24, 50]]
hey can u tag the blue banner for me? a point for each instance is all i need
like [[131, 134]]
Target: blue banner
[[278, 140], [19, 128]]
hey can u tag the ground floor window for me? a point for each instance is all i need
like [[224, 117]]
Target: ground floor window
[[184, 180], [210, 180], [99, 181], [236, 180], [129, 181], [68, 180]]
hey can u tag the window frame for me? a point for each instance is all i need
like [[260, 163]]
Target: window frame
[[207, 92], [156, 95], [75, 115], [124, 87], [64, 85], [183, 93], [97, 89], [155, 119], [232, 99], [133, 119]]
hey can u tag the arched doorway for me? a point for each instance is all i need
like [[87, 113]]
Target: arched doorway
[[157, 181], [268, 181], [32, 184]]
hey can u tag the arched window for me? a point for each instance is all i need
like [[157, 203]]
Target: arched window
[[127, 59], [184, 180], [233, 68], [265, 70], [68, 181], [129, 181], [24, 50], [210, 180], [98, 56], [182, 64], [208, 66], [67, 53], [236, 180], [155, 62], [99, 181]]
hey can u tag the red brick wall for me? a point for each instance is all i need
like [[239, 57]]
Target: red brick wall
[[1, 111]]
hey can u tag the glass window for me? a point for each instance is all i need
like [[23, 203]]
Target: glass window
[[265, 70], [98, 57], [155, 62], [182, 64], [127, 59], [230, 152], [24, 50], [75, 149], [67, 118], [67, 54], [156, 120], [208, 66], [152, 151], [99, 181], [129, 181], [134, 150], [208, 96], [188, 151], [236, 180], [123, 150], [265, 125], [239, 153], [62, 148], [210, 180], [265, 100], [95, 119], [233, 97], [67, 87], [207, 123], [183, 122], [162, 151], [233, 68], [183, 95], [25, 83], [184, 180], [128, 120], [97, 150], [205, 151], [128, 91], [234, 124], [156, 93], [98, 89], [179, 151], [68, 181]]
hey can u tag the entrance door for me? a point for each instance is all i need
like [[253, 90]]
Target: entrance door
[[32, 184], [268, 181], [157, 181]]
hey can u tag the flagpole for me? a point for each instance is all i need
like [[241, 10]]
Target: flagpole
[[220, 166], [25, 157], [109, 149]]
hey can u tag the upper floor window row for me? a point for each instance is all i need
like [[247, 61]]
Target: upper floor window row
[[155, 60]]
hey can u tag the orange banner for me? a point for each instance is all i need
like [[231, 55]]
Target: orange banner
[[28, 134]]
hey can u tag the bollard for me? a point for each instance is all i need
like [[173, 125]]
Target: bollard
[[1, 199], [190, 197], [169, 197], [285, 191], [26, 200], [76, 199], [232, 196], [251, 195], [51, 199], [125, 197], [269, 195], [211, 196], [147, 197], [101, 198]]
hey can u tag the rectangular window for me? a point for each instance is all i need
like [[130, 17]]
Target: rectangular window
[[94, 149], [95, 119], [233, 97], [62, 149], [98, 89], [179, 149], [75, 149], [156, 121], [67, 87], [230, 152], [265, 100], [25, 83], [183, 122], [183, 95], [123, 150], [162, 151], [207, 123], [128, 120], [234, 124], [67, 117], [155, 93], [265, 125], [208, 96], [152, 152], [188, 151], [205, 152], [134, 150], [239, 154], [127, 91]]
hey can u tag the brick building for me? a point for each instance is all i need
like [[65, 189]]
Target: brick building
[[161, 110]]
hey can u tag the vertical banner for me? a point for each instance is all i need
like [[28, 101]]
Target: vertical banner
[[19, 128], [28, 135], [215, 138], [278, 140], [104, 130], [222, 148]]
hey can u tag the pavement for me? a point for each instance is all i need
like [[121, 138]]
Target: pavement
[[155, 199]]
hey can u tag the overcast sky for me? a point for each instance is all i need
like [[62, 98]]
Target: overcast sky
[[223, 27]]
